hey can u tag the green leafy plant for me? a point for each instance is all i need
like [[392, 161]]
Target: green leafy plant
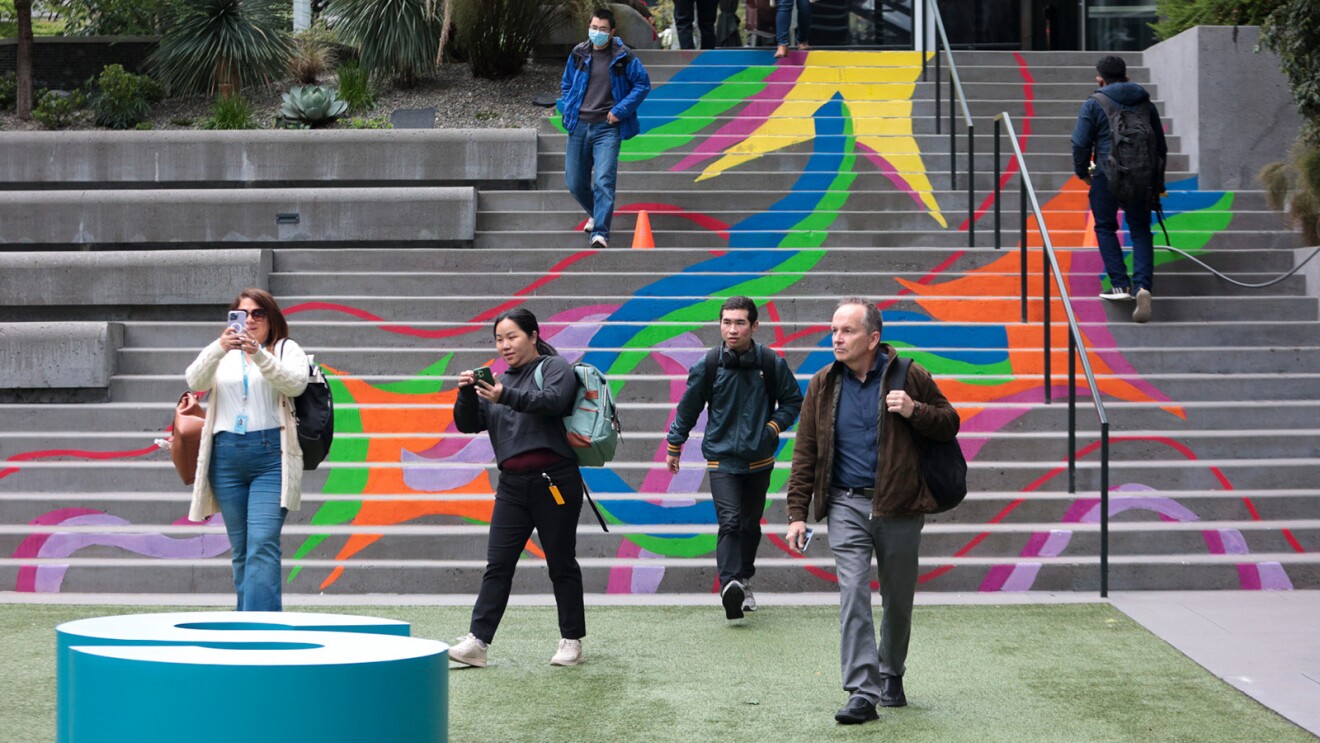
[[114, 17], [312, 105], [1293, 31], [355, 88], [181, 121], [143, 126], [8, 90], [120, 99], [222, 45], [1177, 16], [230, 112], [497, 37], [1292, 188], [396, 39], [362, 122], [57, 109]]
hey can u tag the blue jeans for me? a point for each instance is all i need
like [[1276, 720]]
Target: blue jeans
[[1104, 207], [739, 503], [245, 475], [784, 19], [591, 166]]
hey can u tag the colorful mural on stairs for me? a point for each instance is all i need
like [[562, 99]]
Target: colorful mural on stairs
[[843, 114]]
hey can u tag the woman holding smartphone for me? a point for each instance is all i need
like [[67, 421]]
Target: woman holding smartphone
[[540, 486], [249, 465]]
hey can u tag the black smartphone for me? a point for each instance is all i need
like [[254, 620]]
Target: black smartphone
[[484, 374], [237, 320]]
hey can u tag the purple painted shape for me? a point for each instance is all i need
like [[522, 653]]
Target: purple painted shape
[[647, 579], [49, 578], [1248, 577], [1233, 541], [996, 577], [1214, 542], [1273, 577], [1021, 578], [621, 577], [759, 109]]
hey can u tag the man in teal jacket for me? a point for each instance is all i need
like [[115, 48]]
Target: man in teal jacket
[[752, 397], [602, 87]]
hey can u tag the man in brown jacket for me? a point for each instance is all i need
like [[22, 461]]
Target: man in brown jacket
[[855, 462]]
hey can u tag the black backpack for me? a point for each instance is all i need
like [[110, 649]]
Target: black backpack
[[767, 374], [943, 467], [314, 410], [1133, 167]]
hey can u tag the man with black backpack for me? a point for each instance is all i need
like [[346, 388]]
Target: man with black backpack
[[752, 397], [1120, 127]]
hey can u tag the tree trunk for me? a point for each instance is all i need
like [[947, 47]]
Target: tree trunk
[[23, 9]]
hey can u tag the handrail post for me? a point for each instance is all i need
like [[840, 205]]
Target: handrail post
[[1072, 412], [1022, 249], [998, 217], [925, 21], [1104, 509], [1045, 294], [937, 85], [971, 186], [953, 135]]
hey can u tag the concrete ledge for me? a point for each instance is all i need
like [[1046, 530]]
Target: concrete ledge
[[184, 216], [166, 277], [58, 355], [207, 159]]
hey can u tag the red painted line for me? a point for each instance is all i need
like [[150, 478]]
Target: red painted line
[[717, 226], [77, 453]]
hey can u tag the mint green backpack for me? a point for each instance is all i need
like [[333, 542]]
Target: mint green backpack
[[593, 426]]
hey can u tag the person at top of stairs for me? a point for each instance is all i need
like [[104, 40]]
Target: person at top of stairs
[[603, 85], [1121, 127]]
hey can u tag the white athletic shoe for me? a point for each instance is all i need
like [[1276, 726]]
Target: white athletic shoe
[[1142, 312], [469, 651], [590, 226], [568, 654], [1117, 295]]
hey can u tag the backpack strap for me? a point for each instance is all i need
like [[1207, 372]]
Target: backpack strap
[[712, 368], [898, 373], [768, 376]]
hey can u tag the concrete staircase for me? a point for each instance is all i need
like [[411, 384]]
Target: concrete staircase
[[842, 187]]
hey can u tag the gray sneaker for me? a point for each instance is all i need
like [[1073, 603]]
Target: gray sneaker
[[1142, 312], [749, 599]]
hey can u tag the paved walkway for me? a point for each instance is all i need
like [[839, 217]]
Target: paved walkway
[[1264, 643]]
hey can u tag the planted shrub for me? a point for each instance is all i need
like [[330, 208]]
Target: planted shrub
[[311, 105], [396, 39], [230, 112], [8, 90], [121, 99], [355, 88], [215, 45], [497, 37], [313, 53], [56, 109], [1292, 188]]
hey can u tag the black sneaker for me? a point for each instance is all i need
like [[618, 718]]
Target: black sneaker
[[733, 596]]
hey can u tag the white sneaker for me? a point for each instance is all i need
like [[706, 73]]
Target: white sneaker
[[749, 599], [1117, 295], [469, 651], [599, 242], [1142, 312], [590, 226], [568, 654]]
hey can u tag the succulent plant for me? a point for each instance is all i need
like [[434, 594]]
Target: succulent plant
[[312, 104]]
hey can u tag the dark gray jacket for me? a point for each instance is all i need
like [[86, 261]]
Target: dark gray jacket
[[526, 417]]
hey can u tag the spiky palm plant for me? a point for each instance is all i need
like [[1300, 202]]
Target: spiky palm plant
[[497, 37], [396, 39], [220, 45]]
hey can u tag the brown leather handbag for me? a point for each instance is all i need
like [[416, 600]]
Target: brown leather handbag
[[186, 438]]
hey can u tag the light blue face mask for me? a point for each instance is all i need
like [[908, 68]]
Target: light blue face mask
[[598, 38]]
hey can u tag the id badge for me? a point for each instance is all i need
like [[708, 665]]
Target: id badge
[[240, 423]]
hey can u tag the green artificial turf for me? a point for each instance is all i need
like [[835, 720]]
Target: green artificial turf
[[673, 674]]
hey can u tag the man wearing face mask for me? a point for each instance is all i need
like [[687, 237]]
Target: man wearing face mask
[[603, 85]]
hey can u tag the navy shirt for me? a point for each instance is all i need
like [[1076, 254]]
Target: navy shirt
[[856, 427]]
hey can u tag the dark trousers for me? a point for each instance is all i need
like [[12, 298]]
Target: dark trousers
[[739, 504], [522, 503], [706, 11], [1104, 207]]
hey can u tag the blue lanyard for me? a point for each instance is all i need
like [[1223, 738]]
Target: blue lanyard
[[243, 357]]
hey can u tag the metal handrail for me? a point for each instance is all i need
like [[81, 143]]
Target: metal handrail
[[955, 89], [1076, 346]]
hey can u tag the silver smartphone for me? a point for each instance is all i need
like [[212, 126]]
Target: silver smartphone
[[237, 320], [807, 542]]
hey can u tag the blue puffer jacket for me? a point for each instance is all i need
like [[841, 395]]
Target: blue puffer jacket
[[629, 84], [1092, 130]]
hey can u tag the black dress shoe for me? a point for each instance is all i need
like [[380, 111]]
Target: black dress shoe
[[858, 710], [891, 692]]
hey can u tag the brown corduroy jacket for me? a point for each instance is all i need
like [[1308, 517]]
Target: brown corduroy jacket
[[899, 490]]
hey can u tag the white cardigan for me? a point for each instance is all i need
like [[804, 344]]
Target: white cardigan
[[288, 375]]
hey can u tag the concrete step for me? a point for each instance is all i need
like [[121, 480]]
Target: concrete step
[[650, 118]]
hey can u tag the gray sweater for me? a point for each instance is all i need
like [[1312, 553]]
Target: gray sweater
[[526, 417]]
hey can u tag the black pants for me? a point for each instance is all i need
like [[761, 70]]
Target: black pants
[[523, 502], [739, 504], [706, 11]]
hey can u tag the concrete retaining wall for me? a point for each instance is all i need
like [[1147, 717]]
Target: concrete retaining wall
[[58, 355], [126, 278], [444, 215], [205, 159], [1231, 105]]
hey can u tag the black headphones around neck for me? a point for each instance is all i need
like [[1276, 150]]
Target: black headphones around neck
[[730, 359]]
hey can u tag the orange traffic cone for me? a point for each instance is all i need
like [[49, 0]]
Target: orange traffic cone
[[642, 237]]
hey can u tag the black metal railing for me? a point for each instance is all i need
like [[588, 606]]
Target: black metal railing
[[1076, 345], [931, 8]]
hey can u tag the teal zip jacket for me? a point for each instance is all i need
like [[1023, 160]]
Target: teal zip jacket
[[741, 435]]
